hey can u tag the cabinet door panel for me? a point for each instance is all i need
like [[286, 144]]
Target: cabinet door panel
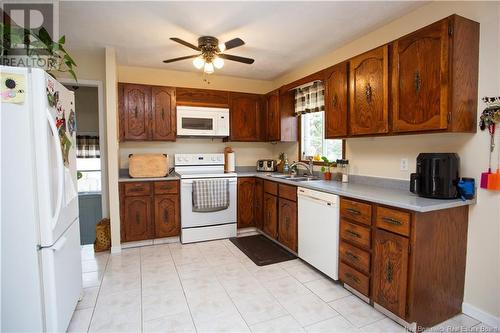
[[273, 116], [259, 203], [136, 109], [390, 272], [420, 80], [369, 92], [336, 102], [167, 221], [287, 225], [246, 198], [270, 215], [163, 113], [137, 220], [246, 117]]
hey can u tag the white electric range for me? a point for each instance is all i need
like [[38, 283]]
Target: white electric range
[[203, 226]]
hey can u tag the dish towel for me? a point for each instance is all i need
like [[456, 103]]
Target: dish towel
[[210, 195]]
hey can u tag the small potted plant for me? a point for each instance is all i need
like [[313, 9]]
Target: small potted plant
[[326, 168]]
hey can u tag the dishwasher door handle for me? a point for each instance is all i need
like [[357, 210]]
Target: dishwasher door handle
[[326, 203]]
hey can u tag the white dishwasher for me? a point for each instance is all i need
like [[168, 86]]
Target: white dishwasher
[[318, 230]]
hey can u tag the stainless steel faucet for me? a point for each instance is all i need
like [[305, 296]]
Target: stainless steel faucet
[[308, 166]]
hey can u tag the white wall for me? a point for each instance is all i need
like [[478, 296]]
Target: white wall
[[381, 156]]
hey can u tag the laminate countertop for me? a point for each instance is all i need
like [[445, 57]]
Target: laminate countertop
[[385, 195]]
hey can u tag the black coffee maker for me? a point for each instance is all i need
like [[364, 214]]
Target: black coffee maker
[[437, 176]]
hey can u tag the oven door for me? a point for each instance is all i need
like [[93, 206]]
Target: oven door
[[196, 123], [190, 219]]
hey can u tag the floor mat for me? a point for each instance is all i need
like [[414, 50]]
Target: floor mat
[[261, 250]]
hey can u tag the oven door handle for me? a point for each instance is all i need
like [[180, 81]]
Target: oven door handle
[[190, 181]]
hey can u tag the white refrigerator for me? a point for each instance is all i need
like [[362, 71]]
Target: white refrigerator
[[41, 277]]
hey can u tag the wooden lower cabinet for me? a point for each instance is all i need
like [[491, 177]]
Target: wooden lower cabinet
[[287, 223], [167, 215], [413, 264], [259, 203], [246, 199], [137, 218], [152, 214], [270, 226], [390, 272]]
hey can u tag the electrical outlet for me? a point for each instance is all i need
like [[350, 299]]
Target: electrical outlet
[[403, 165]]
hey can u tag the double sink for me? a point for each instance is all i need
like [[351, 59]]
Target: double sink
[[295, 178]]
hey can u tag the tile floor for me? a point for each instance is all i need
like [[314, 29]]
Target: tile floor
[[214, 287]]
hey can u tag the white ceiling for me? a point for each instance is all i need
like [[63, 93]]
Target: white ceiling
[[278, 35]]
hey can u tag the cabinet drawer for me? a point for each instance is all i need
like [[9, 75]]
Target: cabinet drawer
[[356, 211], [137, 188], [393, 220], [288, 192], [167, 187], [355, 233], [271, 187], [355, 279], [355, 257]]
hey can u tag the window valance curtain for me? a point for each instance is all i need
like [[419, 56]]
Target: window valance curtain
[[310, 98], [87, 146]]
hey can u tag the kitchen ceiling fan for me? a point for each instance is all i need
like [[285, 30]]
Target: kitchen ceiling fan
[[212, 55]]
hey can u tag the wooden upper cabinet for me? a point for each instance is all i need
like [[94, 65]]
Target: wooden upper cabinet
[[420, 79], [390, 272], [202, 97], [136, 111], [246, 117], [246, 199], [369, 92], [434, 77], [273, 116], [167, 215], [164, 121], [336, 87]]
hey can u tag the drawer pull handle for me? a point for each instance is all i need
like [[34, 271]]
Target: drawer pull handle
[[351, 256], [352, 277], [354, 234], [165, 188], [353, 211], [392, 221], [136, 189]]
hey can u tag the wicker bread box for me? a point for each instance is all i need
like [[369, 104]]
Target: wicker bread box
[[147, 165]]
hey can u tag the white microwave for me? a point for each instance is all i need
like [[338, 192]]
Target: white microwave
[[202, 121]]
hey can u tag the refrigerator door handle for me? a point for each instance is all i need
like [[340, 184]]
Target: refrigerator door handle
[[60, 167]]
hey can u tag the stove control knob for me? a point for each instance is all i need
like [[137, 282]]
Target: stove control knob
[[213, 158], [219, 158]]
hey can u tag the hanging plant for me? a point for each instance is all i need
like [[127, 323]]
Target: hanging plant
[[38, 45]]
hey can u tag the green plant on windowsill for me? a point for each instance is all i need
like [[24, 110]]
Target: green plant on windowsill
[[326, 168]]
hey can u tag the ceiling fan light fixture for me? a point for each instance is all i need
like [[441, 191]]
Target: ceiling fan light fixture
[[209, 68], [222, 47], [198, 62], [218, 62]]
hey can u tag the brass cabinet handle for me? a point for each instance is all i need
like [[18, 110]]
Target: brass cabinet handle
[[352, 233], [351, 256], [162, 113], [334, 101], [353, 211], [418, 81], [165, 215], [389, 271], [135, 112], [368, 93], [137, 218], [392, 221], [136, 189], [352, 277]]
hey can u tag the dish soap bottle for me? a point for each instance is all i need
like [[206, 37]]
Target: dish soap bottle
[[286, 166]]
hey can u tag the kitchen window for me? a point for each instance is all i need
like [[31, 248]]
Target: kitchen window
[[88, 163], [310, 107]]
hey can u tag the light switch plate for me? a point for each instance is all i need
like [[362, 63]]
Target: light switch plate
[[403, 165]]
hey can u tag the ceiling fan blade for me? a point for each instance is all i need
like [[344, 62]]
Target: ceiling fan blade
[[236, 58], [234, 43], [183, 42], [180, 58]]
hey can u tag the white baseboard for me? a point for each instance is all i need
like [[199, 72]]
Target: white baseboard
[[116, 249], [480, 315]]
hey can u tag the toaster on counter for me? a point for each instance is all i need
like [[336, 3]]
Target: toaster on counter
[[266, 165]]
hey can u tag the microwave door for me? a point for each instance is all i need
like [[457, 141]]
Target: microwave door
[[196, 124]]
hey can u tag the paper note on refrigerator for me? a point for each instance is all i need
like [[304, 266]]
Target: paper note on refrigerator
[[13, 88]]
